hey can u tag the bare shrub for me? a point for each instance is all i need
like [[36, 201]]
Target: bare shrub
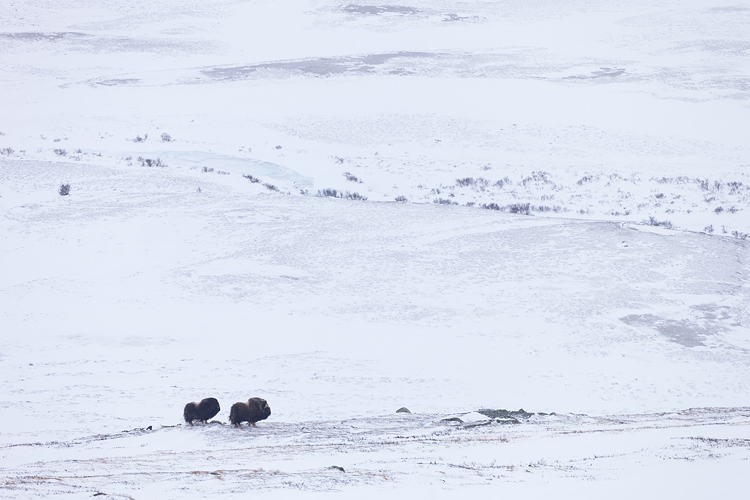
[[653, 222], [329, 192], [270, 187], [252, 179], [332, 193], [659, 195], [401, 198], [709, 229], [138, 138], [518, 208], [60, 152], [6, 151], [64, 189], [443, 201], [537, 177], [742, 236], [718, 210], [471, 181], [355, 196], [585, 178], [278, 147], [490, 206], [734, 187], [166, 137], [148, 162], [353, 178], [207, 170]]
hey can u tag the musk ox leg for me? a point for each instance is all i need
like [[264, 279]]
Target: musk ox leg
[[253, 424]]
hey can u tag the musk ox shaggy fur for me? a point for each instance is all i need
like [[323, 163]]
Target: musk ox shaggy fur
[[254, 410], [206, 409]]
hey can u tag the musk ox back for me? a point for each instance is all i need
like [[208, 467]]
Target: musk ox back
[[254, 410], [206, 409]]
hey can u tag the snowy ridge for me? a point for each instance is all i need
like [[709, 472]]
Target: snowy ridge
[[366, 454]]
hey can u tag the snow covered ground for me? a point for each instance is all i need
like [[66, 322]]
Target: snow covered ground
[[571, 238]]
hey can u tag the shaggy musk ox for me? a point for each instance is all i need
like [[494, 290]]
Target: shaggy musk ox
[[208, 408], [254, 410]]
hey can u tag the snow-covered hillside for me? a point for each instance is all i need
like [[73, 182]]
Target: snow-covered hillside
[[348, 208]]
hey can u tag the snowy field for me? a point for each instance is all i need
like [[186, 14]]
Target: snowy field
[[349, 208]]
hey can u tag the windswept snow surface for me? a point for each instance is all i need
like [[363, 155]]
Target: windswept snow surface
[[232, 230]]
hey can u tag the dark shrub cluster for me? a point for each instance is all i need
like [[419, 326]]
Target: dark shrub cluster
[[64, 189], [148, 162], [332, 193], [351, 177], [653, 222], [443, 201]]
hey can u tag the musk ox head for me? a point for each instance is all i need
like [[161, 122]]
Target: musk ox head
[[254, 410], [206, 409]]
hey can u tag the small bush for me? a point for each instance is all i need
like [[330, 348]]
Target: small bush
[[718, 210], [207, 170], [585, 178], [166, 137], [64, 189], [490, 206], [148, 162], [742, 236], [443, 201], [278, 147], [519, 208], [709, 229], [60, 152], [653, 222], [659, 195], [350, 177], [270, 187], [138, 138], [249, 177], [471, 181], [401, 198], [329, 192], [332, 193], [6, 151], [470, 203]]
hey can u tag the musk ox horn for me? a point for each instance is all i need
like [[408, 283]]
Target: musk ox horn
[[203, 411], [255, 410]]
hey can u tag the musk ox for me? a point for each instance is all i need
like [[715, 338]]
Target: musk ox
[[206, 409], [254, 410]]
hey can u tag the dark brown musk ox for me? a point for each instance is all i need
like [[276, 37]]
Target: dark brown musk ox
[[254, 410], [206, 409]]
